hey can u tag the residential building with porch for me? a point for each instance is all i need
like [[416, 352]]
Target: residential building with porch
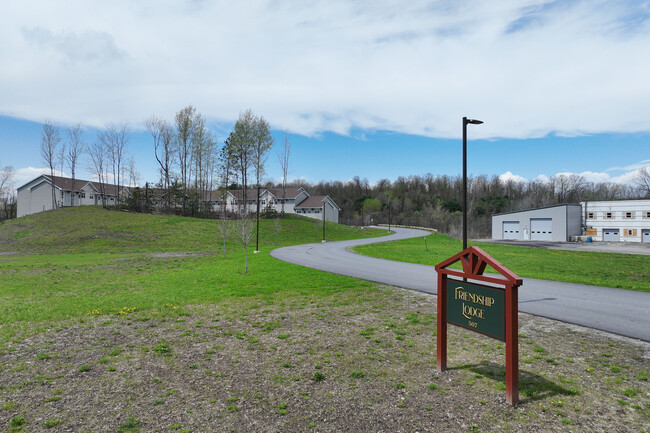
[[315, 205], [36, 196]]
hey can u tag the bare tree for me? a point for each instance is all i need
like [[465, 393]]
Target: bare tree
[[241, 148], [185, 129], [163, 139], [6, 176], [277, 226], [6, 184], [50, 139], [225, 174], [642, 181], [75, 149], [134, 176], [97, 153], [567, 187], [284, 158], [244, 234], [262, 145], [114, 139]]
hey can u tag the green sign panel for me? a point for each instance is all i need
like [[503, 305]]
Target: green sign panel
[[476, 307]]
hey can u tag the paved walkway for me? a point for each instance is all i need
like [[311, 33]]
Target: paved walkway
[[623, 312]]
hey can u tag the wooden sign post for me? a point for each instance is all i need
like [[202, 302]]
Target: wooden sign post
[[492, 311]]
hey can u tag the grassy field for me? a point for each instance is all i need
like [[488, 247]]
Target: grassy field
[[623, 271], [91, 229], [115, 322], [89, 259]]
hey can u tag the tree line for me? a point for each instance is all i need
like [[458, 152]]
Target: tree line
[[436, 201], [106, 158]]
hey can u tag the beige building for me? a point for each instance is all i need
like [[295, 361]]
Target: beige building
[[36, 196], [296, 200], [315, 205]]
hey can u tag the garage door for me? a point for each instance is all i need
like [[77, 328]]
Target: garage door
[[511, 230], [541, 229], [611, 235], [645, 235]]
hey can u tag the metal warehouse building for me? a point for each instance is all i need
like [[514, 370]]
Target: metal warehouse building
[[552, 223]]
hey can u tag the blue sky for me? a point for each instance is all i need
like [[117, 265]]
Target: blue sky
[[370, 89]]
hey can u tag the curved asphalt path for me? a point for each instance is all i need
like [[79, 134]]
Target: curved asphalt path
[[623, 312]]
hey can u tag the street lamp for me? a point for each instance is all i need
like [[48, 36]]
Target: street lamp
[[466, 121], [389, 217], [323, 221]]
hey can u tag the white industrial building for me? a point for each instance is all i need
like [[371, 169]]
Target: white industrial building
[[617, 221], [607, 221], [552, 223]]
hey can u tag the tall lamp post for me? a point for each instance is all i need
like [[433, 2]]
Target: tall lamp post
[[466, 122], [389, 216], [324, 204]]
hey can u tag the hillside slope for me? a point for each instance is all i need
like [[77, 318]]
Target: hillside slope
[[90, 229]]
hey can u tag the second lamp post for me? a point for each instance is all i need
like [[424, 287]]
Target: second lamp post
[[466, 122]]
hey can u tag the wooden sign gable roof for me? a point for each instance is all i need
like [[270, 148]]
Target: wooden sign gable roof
[[474, 261]]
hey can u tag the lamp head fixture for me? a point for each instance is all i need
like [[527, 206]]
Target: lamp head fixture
[[473, 121]]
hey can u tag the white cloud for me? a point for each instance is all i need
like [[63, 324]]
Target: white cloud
[[635, 166], [25, 174], [507, 176], [525, 67], [91, 46], [625, 178]]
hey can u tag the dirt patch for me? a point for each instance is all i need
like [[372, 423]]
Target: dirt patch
[[359, 361], [179, 254]]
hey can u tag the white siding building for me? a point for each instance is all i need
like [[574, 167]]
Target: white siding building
[[36, 195], [314, 206], [617, 221]]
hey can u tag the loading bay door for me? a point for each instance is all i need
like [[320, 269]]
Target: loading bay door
[[645, 235], [541, 229], [511, 230], [611, 235]]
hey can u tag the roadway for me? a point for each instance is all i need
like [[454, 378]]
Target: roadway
[[623, 312]]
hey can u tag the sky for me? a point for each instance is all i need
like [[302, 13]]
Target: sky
[[375, 89]]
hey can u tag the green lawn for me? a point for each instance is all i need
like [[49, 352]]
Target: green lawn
[[70, 262], [91, 229], [623, 271]]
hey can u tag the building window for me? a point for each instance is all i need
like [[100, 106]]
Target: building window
[[91, 197], [609, 215], [647, 214], [590, 215], [316, 210], [629, 233], [628, 215]]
